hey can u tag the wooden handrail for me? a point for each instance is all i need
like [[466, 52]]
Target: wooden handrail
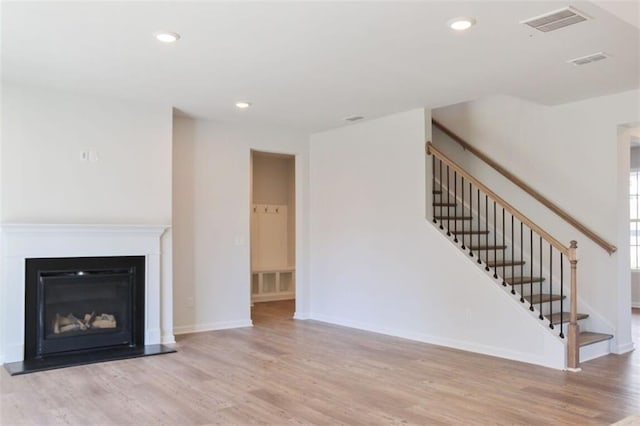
[[431, 150], [610, 248]]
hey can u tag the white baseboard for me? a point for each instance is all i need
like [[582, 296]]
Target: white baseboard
[[559, 364], [301, 316], [222, 325], [623, 349]]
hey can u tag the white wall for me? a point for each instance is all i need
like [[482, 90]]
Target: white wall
[[43, 179], [378, 264], [211, 208], [570, 153]]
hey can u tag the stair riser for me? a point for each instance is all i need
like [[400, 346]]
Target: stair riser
[[595, 350]]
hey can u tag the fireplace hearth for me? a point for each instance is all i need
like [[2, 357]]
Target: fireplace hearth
[[81, 310]]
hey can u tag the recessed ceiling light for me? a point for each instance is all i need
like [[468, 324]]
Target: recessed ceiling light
[[243, 104], [461, 24], [167, 36]]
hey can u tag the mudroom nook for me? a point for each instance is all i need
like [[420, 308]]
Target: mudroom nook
[[272, 227]]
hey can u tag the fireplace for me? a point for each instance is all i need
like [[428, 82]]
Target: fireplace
[[80, 305], [104, 312]]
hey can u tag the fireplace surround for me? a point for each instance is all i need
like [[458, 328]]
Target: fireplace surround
[[151, 300]]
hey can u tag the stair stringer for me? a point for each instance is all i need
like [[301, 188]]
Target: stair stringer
[[547, 349]]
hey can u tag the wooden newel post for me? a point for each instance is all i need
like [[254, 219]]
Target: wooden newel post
[[573, 348]]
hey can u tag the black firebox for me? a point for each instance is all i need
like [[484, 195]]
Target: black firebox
[[81, 310], [83, 304]]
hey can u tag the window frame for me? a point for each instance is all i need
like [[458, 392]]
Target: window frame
[[634, 221]]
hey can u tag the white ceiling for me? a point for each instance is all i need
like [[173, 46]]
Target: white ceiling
[[307, 65]]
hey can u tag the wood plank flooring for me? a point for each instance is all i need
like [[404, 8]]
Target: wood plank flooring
[[305, 372]]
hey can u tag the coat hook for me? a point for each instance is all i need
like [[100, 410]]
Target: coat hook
[[277, 209], [265, 209]]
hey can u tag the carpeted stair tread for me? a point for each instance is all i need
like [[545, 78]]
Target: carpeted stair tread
[[555, 318], [589, 338], [471, 232], [444, 204]]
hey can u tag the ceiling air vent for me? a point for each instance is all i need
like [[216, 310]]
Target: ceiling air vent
[[555, 20], [584, 60]]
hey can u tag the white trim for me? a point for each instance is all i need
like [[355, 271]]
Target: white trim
[[301, 316], [82, 228], [21, 241], [168, 339], [623, 349], [200, 328], [595, 350]]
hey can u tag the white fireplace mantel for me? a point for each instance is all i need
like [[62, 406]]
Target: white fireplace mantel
[[23, 241]]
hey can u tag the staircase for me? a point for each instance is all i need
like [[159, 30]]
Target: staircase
[[518, 254]]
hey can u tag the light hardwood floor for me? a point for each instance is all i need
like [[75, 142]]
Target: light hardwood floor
[[283, 371]]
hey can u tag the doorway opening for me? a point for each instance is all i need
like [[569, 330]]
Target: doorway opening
[[273, 239]]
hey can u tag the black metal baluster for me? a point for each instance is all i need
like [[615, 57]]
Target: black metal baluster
[[540, 292], [550, 285], [471, 221], [441, 215], [448, 202], [462, 206], [561, 295], [433, 186], [531, 261], [455, 206], [479, 248], [495, 243], [513, 264], [486, 236], [504, 263], [521, 263]]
